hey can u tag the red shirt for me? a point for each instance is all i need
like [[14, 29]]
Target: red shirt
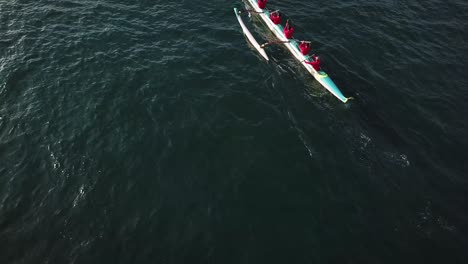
[[275, 18], [288, 33], [304, 47], [315, 64], [262, 3]]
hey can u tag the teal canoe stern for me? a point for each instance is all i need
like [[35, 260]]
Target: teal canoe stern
[[328, 83]]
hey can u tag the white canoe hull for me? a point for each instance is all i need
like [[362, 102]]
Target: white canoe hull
[[293, 47]]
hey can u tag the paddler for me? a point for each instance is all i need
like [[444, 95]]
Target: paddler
[[315, 64], [288, 30], [262, 4], [275, 16], [304, 46]]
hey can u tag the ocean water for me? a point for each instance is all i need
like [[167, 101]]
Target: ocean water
[[152, 132]]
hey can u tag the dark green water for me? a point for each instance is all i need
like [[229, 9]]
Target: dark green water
[[150, 132]]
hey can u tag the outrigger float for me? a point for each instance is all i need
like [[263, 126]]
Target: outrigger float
[[291, 44]]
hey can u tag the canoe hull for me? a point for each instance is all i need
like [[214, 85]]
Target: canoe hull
[[293, 47]]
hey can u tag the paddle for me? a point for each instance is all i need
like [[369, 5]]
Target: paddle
[[313, 55], [298, 40], [248, 10], [272, 42], [281, 42]]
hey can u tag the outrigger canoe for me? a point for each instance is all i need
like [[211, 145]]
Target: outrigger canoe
[[293, 46]]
